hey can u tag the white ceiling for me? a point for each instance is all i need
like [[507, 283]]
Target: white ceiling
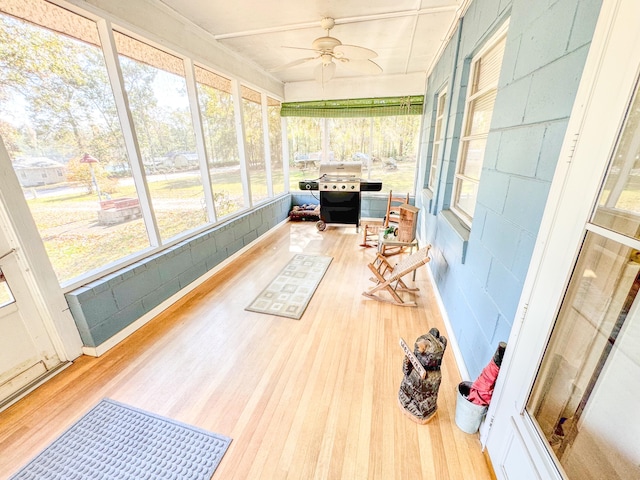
[[407, 35]]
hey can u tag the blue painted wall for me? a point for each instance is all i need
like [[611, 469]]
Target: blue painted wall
[[480, 271], [106, 306]]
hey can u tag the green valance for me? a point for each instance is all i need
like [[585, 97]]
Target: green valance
[[359, 107]]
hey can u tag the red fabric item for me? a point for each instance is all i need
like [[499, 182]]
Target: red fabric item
[[482, 388]]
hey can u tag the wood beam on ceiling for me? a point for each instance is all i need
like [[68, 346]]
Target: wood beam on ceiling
[[339, 21]]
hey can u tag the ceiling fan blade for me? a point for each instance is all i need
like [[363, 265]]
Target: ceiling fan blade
[[366, 67], [292, 64], [300, 48], [354, 52], [323, 73]]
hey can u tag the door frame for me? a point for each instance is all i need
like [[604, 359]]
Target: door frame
[[20, 233], [607, 84]]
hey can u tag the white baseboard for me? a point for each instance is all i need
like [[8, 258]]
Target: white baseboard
[[452, 341], [124, 333]]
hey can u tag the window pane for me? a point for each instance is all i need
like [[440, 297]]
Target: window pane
[[466, 195], [59, 123], [587, 388], [386, 146], [480, 113], [619, 203], [395, 145], [305, 145], [221, 141], [157, 94], [438, 135], [434, 165], [440, 116], [472, 156], [350, 139], [275, 144], [487, 68], [254, 136]]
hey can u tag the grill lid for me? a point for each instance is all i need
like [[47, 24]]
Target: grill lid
[[340, 171]]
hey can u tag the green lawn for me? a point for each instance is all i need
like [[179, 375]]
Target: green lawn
[[77, 243]]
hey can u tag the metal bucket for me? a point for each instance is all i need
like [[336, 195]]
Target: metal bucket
[[468, 414]]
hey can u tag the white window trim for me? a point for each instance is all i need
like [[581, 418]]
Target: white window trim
[[489, 44], [439, 142], [106, 25]]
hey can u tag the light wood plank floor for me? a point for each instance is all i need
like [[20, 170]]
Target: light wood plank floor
[[314, 398]]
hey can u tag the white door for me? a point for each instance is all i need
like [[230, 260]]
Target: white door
[[566, 401], [26, 350]]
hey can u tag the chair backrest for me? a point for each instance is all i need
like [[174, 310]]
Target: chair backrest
[[410, 263], [393, 210]]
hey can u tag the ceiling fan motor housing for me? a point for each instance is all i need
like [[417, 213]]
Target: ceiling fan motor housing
[[325, 44]]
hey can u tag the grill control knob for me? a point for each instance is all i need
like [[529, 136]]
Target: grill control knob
[[335, 186], [353, 187], [343, 187]]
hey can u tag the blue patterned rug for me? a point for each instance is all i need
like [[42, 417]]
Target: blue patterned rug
[[290, 292], [114, 441]]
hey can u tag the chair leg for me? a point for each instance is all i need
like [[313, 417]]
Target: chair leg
[[400, 303]]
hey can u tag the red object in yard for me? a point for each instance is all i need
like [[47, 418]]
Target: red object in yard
[[86, 158], [119, 203]]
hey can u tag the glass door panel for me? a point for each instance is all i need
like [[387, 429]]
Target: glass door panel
[[6, 297], [586, 393]]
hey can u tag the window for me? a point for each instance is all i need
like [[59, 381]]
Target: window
[[481, 95], [221, 141], [254, 142], [386, 147], [157, 94], [96, 204], [395, 149], [305, 147], [438, 136], [381, 133], [275, 145], [586, 391], [56, 106]]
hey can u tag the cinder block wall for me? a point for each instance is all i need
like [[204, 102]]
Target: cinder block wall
[[480, 271], [106, 306]]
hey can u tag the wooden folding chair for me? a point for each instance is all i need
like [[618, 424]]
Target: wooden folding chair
[[388, 277], [392, 217]]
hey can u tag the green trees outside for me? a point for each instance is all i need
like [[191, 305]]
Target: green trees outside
[[56, 102], [55, 96]]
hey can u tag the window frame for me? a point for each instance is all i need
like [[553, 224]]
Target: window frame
[[439, 128], [465, 138], [105, 30]]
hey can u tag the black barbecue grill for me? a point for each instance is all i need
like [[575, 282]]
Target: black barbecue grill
[[340, 185]]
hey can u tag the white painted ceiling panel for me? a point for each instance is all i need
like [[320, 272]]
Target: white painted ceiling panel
[[405, 34]]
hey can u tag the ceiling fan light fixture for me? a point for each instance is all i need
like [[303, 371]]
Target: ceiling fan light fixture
[[323, 73]]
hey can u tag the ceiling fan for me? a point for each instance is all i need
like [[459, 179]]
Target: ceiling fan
[[330, 50]]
